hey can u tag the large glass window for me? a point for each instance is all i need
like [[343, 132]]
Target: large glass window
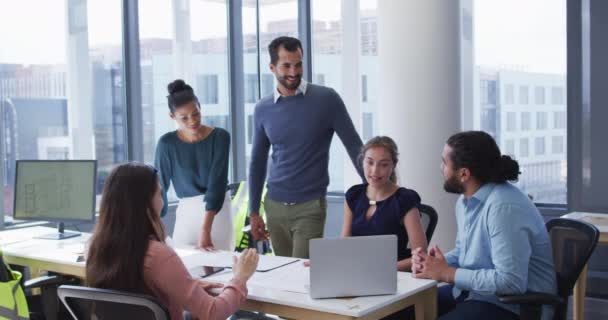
[[276, 18], [61, 85], [177, 42], [527, 59], [525, 121], [345, 47], [541, 120]]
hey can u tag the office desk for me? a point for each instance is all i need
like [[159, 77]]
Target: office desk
[[601, 222], [284, 292], [295, 305], [264, 295], [21, 248]]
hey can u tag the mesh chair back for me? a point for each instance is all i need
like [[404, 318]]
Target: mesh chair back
[[85, 303], [573, 243], [429, 218]]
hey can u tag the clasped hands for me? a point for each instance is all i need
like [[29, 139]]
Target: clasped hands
[[431, 265]]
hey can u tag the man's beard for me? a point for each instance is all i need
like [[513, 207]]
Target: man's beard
[[452, 185], [288, 85]]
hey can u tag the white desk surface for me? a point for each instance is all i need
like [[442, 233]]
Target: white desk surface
[[21, 242], [600, 220], [287, 285]]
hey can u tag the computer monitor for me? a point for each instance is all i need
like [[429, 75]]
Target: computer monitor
[[55, 190]]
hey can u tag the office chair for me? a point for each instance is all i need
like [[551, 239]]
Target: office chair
[[44, 306], [85, 303], [429, 220], [573, 243], [233, 188]]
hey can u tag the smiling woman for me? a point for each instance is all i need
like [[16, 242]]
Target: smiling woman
[[194, 158], [380, 206]]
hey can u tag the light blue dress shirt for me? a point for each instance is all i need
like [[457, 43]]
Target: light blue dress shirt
[[502, 246]]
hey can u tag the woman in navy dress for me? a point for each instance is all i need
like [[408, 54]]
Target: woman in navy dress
[[380, 206]]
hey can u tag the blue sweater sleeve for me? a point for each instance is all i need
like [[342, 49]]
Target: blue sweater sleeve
[[162, 162], [218, 172], [343, 125], [259, 160]]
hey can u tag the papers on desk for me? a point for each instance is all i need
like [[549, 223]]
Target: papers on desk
[[195, 258], [288, 278]]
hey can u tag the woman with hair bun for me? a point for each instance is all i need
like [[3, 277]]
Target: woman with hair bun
[[194, 158]]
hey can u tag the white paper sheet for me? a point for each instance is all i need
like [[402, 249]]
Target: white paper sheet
[[196, 258]]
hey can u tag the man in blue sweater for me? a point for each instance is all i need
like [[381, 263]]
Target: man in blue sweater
[[298, 121]]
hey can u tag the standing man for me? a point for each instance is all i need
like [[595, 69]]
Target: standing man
[[502, 245], [298, 121]]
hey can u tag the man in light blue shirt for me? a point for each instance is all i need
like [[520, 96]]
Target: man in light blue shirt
[[502, 246]]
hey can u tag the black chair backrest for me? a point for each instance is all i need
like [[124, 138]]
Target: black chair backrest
[[85, 303], [429, 220], [233, 188], [573, 243]]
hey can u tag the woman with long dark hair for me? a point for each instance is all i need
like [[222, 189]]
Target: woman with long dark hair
[[128, 251]]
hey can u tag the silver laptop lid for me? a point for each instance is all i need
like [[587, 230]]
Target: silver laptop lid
[[354, 266]]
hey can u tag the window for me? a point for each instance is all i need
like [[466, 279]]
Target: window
[[363, 88], [557, 95], [539, 146], [208, 89], [250, 129], [75, 95], [539, 95], [368, 126], [523, 147], [267, 84], [511, 126], [523, 94], [251, 88], [333, 27], [525, 121], [557, 145], [319, 79], [510, 147], [541, 120], [509, 94], [488, 92], [559, 120], [529, 66], [262, 22], [184, 48]]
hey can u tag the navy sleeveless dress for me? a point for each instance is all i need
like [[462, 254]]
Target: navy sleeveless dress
[[388, 218]]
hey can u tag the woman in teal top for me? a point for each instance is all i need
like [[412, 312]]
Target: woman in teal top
[[194, 158]]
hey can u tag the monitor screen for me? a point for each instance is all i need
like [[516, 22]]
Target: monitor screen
[[55, 190]]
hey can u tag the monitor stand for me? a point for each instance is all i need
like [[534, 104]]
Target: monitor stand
[[61, 233]]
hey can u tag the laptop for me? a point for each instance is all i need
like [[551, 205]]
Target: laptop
[[354, 266]]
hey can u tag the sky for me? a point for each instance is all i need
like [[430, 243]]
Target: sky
[[526, 35]]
